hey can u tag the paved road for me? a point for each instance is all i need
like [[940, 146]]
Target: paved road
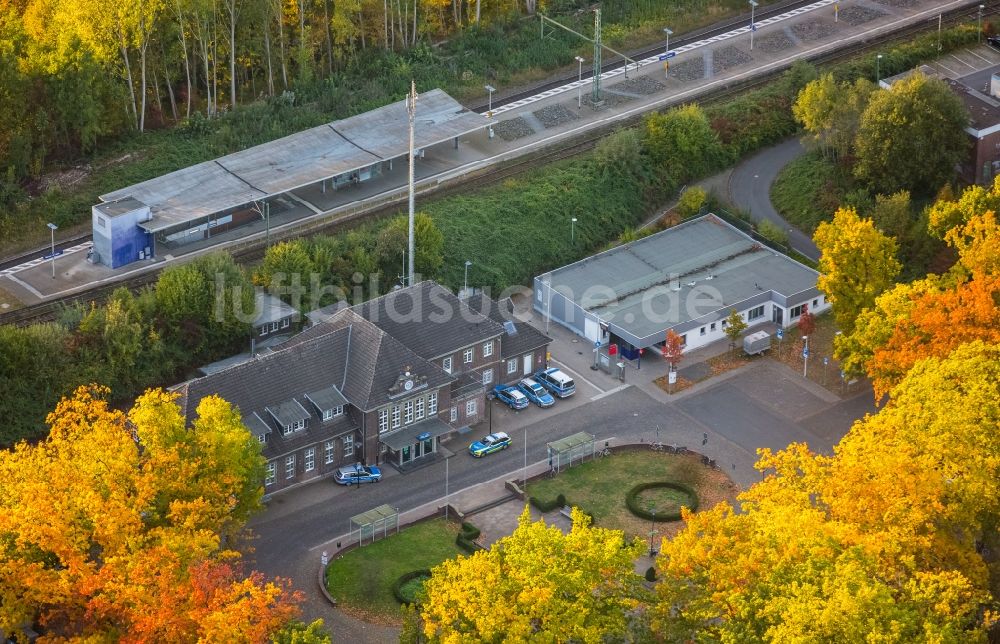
[[750, 189]]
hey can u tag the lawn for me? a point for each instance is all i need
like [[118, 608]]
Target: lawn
[[820, 346], [361, 581], [807, 191], [599, 487]]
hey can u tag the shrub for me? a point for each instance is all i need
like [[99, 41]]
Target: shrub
[[691, 201], [772, 232], [404, 591], [466, 539], [651, 574], [632, 501]]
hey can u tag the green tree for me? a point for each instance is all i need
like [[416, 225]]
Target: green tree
[[428, 241], [735, 326], [893, 215], [911, 136], [681, 144], [831, 113], [857, 263], [36, 369]]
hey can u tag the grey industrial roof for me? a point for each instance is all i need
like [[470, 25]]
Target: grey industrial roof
[[429, 319], [644, 287], [119, 206], [298, 160], [525, 337], [408, 435]]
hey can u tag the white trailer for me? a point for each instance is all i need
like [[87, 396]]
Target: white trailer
[[756, 343]]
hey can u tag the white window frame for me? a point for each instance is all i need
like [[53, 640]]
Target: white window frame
[[446, 364], [330, 414], [310, 459], [290, 466], [432, 403], [383, 421], [454, 414], [262, 439], [488, 349], [274, 327], [512, 366], [470, 408], [468, 355], [702, 331], [487, 376], [329, 455], [262, 330], [755, 313], [395, 417], [407, 412], [712, 327], [348, 443], [271, 473], [285, 322], [298, 425], [794, 312], [287, 429], [419, 409]]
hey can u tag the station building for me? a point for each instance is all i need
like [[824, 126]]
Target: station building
[[687, 278], [379, 383], [151, 218]]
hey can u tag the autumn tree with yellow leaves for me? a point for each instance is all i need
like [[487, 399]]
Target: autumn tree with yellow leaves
[[121, 525], [857, 263], [875, 543], [537, 583]]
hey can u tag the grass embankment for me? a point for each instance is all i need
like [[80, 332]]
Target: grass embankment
[[361, 581], [599, 487], [807, 191]]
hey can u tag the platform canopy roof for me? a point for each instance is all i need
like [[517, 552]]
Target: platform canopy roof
[[298, 160]]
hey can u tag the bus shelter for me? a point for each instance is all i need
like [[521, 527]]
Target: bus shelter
[[369, 526], [565, 451]]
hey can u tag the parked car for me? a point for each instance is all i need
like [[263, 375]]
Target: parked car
[[510, 396], [557, 382], [357, 473], [492, 443], [993, 41], [536, 393]]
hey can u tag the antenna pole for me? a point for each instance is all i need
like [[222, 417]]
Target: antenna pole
[[411, 108]]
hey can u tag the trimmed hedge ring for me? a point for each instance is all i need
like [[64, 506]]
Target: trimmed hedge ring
[[397, 587], [632, 501]]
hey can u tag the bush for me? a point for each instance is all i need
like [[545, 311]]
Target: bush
[[548, 506], [632, 501], [404, 591], [769, 230], [651, 574], [466, 539], [691, 201]]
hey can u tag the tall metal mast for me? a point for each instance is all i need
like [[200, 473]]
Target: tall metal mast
[[596, 92], [411, 109]]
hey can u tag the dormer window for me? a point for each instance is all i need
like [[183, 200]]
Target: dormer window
[[291, 416], [446, 364], [330, 414], [297, 426]]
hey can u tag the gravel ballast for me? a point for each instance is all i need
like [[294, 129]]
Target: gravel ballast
[[512, 129]]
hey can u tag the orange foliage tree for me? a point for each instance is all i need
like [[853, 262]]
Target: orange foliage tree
[[116, 525]]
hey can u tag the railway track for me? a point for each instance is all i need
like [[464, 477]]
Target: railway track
[[49, 311]]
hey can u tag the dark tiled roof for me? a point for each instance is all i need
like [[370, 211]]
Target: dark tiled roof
[[526, 337], [429, 319]]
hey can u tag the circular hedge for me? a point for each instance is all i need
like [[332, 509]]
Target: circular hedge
[[403, 595], [632, 501]]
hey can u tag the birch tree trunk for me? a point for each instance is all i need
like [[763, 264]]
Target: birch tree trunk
[[184, 51], [267, 50]]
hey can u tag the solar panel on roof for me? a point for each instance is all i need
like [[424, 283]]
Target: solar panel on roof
[[509, 327]]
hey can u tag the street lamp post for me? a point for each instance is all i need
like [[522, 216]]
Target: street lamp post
[[939, 31], [572, 230], [446, 488], [878, 69], [666, 51], [753, 27], [579, 82], [524, 472], [52, 229], [979, 29], [489, 108], [465, 290], [652, 529]]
